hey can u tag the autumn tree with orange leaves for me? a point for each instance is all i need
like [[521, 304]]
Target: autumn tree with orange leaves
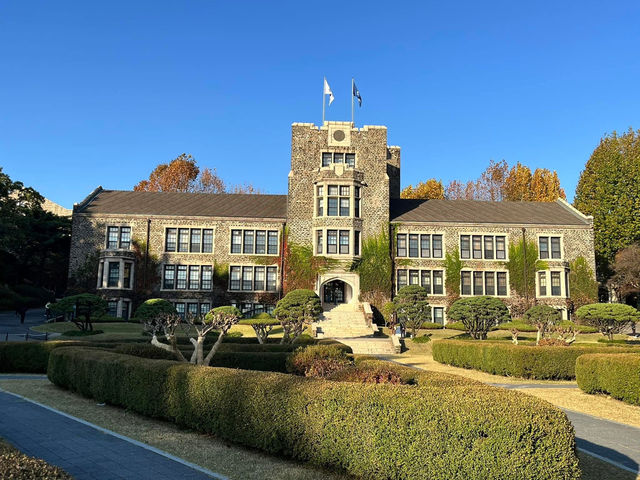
[[431, 189], [182, 174]]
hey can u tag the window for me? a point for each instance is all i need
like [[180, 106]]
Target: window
[[543, 243], [555, 284], [114, 274], [204, 308], [344, 207], [258, 278], [127, 275], [477, 283], [207, 277], [236, 241], [183, 240], [248, 242], [234, 278], [112, 237], [170, 240], [247, 278], [402, 279], [169, 277], [413, 245], [126, 307], [401, 245], [344, 242], [350, 159], [261, 242], [438, 315], [477, 246], [414, 277], [192, 308], [489, 283], [438, 288], [437, 246], [425, 280], [112, 308], [207, 240], [101, 275], [196, 240], [465, 247], [500, 248], [502, 282], [542, 283], [119, 237], [180, 309], [320, 204], [332, 207], [272, 245], [465, 278], [319, 235], [555, 247], [332, 241], [488, 247], [344, 190], [125, 237], [356, 202], [181, 282], [425, 246], [356, 243], [543, 246], [272, 276], [194, 277]]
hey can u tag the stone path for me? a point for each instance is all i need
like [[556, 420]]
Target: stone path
[[86, 451]]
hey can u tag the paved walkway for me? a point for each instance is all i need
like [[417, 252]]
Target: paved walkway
[[86, 451], [10, 324], [613, 442]]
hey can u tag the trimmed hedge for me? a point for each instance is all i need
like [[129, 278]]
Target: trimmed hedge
[[144, 350], [33, 357], [615, 375], [367, 430], [499, 358], [432, 326], [16, 465]]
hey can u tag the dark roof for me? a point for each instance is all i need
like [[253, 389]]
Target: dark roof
[[473, 211], [184, 204]]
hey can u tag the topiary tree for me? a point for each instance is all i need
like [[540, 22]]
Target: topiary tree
[[84, 307], [412, 308], [479, 314], [262, 324], [297, 309], [608, 318], [543, 317], [152, 308], [220, 319]]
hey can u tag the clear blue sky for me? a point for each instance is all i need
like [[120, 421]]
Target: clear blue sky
[[98, 93]]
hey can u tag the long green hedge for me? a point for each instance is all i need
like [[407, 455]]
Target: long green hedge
[[615, 375], [499, 358], [32, 357], [443, 427]]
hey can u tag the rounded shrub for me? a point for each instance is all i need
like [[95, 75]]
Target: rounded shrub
[[153, 308], [479, 314], [421, 339], [617, 375]]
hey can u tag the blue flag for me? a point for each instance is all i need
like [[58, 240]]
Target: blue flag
[[356, 94]]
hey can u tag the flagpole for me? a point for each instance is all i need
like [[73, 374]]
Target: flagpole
[[325, 80], [352, 123]]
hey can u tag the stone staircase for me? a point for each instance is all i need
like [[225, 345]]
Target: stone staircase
[[347, 324]]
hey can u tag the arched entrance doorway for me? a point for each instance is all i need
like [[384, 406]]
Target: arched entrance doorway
[[334, 292]]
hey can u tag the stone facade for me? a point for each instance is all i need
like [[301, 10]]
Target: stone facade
[[342, 185]]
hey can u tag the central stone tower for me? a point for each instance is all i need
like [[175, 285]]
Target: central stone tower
[[340, 185]]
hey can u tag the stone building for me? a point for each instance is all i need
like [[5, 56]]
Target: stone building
[[207, 250]]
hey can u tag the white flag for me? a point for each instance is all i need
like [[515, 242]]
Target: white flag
[[327, 91]]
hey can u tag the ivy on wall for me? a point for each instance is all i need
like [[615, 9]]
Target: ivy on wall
[[452, 266], [221, 275], [375, 269], [520, 256], [147, 277], [583, 288]]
